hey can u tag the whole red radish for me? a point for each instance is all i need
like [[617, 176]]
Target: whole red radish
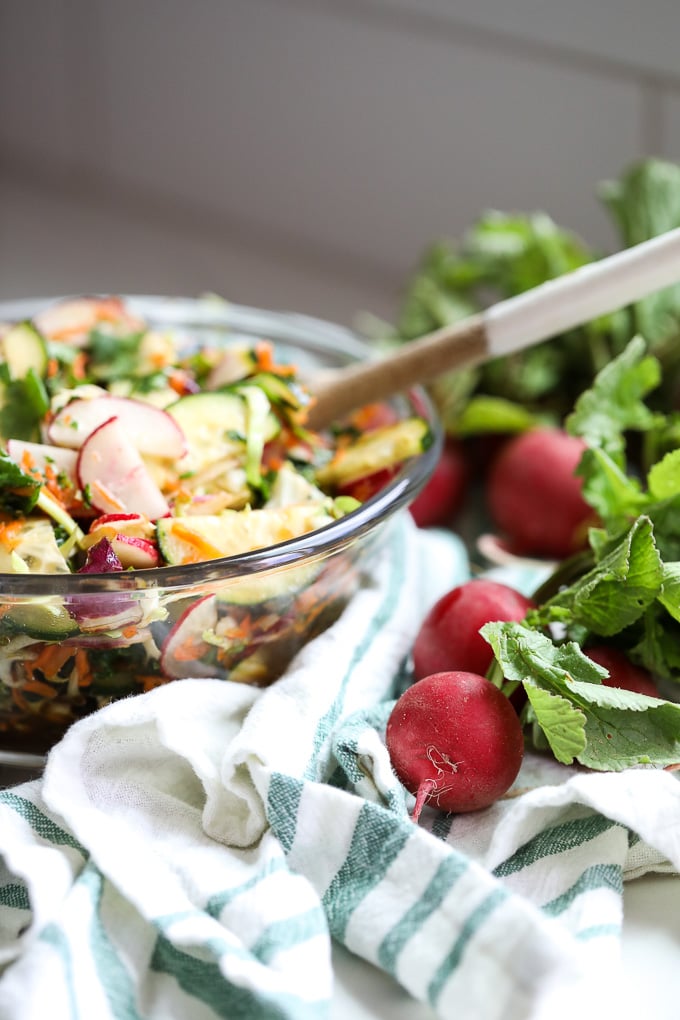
[[455, 741], [441, 498], [449, 636], [534, 496], [622, 672]]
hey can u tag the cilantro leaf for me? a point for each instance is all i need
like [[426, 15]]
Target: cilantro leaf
[[112, 356], [23, 403], [18, 491]]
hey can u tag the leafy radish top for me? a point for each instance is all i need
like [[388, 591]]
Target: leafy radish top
[[108, 427], [622, 592]]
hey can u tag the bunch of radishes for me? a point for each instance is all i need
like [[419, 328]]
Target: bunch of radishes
[[455, 737]]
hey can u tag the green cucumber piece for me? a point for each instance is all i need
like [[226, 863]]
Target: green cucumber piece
[[33, 549], [186, 539], [24, 348], [210, 417], [224, 427], [381, 448], [42, 619]]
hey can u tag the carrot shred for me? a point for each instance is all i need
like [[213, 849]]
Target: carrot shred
[[40, 687], [10, 534], [50, 660], [202, 549], [190, 649], [78, 365], [264, 360], [83, 669], [103, 491]]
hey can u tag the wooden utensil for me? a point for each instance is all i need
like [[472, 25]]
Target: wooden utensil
[[509, 326]]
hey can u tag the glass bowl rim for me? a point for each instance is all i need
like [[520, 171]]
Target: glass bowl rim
[[292, 327]]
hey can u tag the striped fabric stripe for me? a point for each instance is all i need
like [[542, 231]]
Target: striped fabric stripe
[[553, 841], [43, 826], [376, 842], [454, 958], [447, 874], [391, 590]]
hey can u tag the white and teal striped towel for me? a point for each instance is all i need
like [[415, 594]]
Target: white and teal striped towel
[[190, 853]]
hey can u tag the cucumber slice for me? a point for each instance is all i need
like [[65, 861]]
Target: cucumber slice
[[30, 546], [195, 538], [23, 349], [42, 619], [213, 422], [188, 539], [381, 448]]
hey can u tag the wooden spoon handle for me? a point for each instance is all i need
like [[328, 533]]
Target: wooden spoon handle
[[365, 382], [598, 288]]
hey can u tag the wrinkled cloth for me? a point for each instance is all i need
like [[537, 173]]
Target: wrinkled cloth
[[193, 851]]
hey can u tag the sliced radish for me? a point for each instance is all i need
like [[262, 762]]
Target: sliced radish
[[152, 430], [71, 321], [135, 552], [112, 472], [104, 641], [120, 521], [110, 525], [41, 456], [184, 650]]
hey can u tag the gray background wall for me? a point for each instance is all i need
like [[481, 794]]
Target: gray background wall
[[300, 153]]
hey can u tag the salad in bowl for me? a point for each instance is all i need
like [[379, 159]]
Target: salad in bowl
[[165, 512]]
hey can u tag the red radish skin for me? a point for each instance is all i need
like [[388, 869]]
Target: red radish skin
[[444, 494], [455, 742], [449, 636], [535, 497], [622, 672], [110, 466], [151, 429]]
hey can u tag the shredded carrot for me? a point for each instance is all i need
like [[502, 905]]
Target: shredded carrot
[[242, 630], [159, 359], [177, 381], [52, 368], [264, 360], [151, 680], [264, 356], [202, 550], [19, 699], [107, 494], [191, 648], [50, 660], [27, 461], [83, 670], [39, 687], [129, 632], [10, 534], [78, 365]]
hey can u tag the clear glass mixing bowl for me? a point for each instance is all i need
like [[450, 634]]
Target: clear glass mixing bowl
[[263, 605]]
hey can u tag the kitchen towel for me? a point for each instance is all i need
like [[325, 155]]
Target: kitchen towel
[[192, 852]]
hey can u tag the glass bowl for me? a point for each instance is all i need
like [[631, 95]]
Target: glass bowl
[[71, 643]]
